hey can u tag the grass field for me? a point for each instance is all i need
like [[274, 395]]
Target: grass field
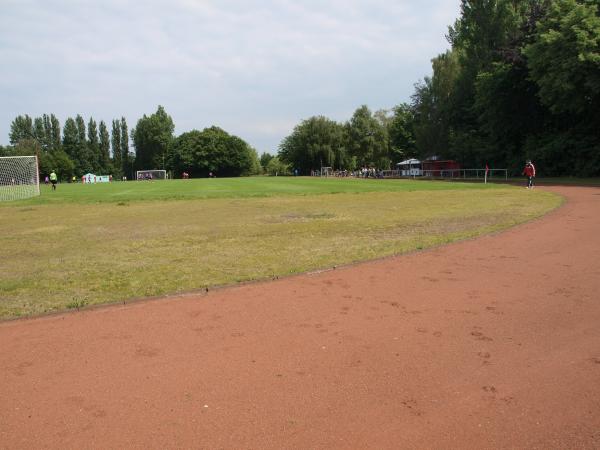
[[92, 244], [559, 181]]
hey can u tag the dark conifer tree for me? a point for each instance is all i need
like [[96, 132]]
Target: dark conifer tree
[[117, 160], [104, 145]]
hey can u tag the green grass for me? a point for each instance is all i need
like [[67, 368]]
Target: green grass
[[85, 245], [227, 188], [557, 181]]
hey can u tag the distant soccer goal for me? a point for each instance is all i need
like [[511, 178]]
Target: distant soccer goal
[[151, 175], [326, 171], [19, 177]]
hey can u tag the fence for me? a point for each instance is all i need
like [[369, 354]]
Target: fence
[[456, 174]]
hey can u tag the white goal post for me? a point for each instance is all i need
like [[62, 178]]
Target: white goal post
[[19, 177], [151, 175], [326, 171]]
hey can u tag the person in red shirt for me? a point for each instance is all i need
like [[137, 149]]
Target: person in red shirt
[[529, 172]]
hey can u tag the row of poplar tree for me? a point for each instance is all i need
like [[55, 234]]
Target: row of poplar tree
[[521, 81], [74, 150], [77, 148]]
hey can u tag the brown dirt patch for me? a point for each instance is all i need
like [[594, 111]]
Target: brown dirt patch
[[492, 342]]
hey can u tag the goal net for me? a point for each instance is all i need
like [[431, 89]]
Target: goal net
[[326, 171], [18, 177], [151, 175]]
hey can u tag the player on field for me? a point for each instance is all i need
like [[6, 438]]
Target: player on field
[[529, 172], [53, 180]]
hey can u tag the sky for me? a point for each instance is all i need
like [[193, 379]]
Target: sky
[[254, 68]]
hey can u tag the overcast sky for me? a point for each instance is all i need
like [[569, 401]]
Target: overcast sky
[[254, 68]]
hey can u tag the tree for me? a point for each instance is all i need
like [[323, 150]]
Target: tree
[[401, 133], [21, 128], [508, 111], [6, 150], [83, 161], [39, 132], [70, 144], [53, 133], [152, 136], [264, 160], [564, 60], [117, 159], [210, 150], [366, 139], [58, 161], [104, 149], [28, 147], [484, 35], [522, 80], [277, 167], [255, 167], [46, 137], [93, 146], [126, 159], [315, 142]]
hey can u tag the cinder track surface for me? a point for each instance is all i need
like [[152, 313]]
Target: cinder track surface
[[493, 342]]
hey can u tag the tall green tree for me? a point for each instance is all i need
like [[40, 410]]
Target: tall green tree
[[276, 167], [564, 60], [93, 145], [70, 144], [54, 137], [264, 160], [6, 150], [21, 128], [39, 132], [367, 139], [401, 134], [83, 162], [152, 136], [126, 158], [564, 63], [104, 146], [255, 167], [46, 138], [211, 150], [117, 159], [315, 142]]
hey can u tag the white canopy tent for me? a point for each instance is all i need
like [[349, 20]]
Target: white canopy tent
[[410, 168]]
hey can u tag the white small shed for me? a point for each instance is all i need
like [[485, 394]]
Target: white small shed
[[410, 168]]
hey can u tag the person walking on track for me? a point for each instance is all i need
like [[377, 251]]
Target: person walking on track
[[529, 172]]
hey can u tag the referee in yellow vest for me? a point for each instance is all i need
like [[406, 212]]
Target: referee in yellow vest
[[53, 180]]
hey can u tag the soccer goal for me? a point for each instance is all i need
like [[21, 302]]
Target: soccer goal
[[151, 175], [19, 177], [326, 171]]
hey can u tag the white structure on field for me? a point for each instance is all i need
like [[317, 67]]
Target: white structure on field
[[19, 177], [410, 168], [151, 175], [90, 178]]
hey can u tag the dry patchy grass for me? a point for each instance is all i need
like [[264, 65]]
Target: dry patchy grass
[[83, 254]]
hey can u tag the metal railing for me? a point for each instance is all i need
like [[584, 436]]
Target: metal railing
[[452, 174]]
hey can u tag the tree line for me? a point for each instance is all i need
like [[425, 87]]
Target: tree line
[[77, 149], [521, 81], [366, 140], [74, 150]]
